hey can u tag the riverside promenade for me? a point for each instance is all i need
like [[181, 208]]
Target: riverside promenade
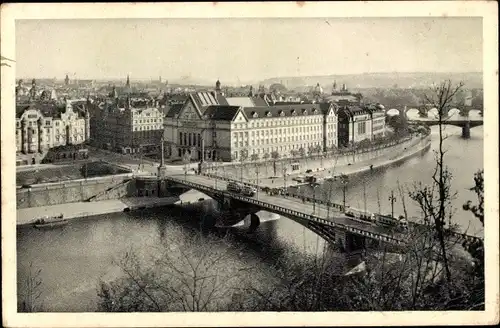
[[331, 170]]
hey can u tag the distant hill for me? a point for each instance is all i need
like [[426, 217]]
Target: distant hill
[[472, 80]]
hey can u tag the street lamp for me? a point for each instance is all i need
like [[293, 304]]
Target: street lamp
[[257, 171], [284, 181], [241, 171], [300, 194], [314, 185], [216, 173], [344, 179], [392, 199]]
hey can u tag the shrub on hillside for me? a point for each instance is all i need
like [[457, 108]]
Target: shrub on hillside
[[95, 169]]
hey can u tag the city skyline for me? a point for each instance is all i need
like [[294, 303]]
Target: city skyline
[[197, 49]]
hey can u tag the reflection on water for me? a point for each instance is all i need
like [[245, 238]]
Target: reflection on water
[[75, 258]]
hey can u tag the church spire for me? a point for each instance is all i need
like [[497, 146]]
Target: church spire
[[128, 81]]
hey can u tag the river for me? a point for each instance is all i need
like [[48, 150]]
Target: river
[[74, 259]]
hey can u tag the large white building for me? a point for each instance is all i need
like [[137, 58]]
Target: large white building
[[207, 122], [212, 127]]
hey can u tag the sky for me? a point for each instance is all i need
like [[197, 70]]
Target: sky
[[242, 49]]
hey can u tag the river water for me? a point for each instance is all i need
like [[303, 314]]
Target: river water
[[74, 259]]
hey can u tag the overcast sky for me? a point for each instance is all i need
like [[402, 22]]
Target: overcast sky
[[245, 49]]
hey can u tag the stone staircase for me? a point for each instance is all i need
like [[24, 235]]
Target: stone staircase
[[117, 191]]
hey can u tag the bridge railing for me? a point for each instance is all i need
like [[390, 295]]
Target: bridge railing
[[283, 210], [333, 205]]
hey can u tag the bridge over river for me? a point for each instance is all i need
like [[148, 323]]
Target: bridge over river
[[467, 119], [325, 219]]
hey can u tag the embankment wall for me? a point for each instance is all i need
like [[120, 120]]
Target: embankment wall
[[67, 191], [317, 163]]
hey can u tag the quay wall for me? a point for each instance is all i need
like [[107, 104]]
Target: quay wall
[[90, 190], [67, 191]]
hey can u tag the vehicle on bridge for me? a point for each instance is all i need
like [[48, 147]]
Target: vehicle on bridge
[[234, 187], [360, 214], [379, 219], [248, 191], [387, 220], [241, 189]]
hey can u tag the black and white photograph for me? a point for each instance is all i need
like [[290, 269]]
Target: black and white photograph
[[284, 165]]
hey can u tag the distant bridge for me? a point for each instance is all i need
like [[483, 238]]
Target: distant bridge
[[398, 110], [454, 117]]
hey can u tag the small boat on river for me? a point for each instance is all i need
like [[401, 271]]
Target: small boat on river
[[50, 222]]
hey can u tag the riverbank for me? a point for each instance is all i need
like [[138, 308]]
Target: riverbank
[[329, 169], [85, 209], [359, 168]]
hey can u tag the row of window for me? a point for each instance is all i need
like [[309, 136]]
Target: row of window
[[156, 120], [280, 122], [284, 151], [146, 128], [305, 129], [49, 123], [56, 132], [276, 140], [57, 138]]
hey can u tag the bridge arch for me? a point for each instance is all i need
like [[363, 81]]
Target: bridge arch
[[392, 112]]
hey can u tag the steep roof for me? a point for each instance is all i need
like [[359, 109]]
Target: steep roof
[[48, 109], [203, 99], [352, 111], [240, 101], [222, 100], [259, 101], [221, 112], [325, 107], [173, 110]]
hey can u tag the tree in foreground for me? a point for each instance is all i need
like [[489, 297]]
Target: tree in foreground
[[476, 248], [428, 273], [31, 298], [435, 200], [192, 276]]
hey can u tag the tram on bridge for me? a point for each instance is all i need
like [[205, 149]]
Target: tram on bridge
[[376, 218]]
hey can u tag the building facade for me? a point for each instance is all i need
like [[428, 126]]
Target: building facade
[[41, 126], [358, 123], [208, 126], [128, 124]]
